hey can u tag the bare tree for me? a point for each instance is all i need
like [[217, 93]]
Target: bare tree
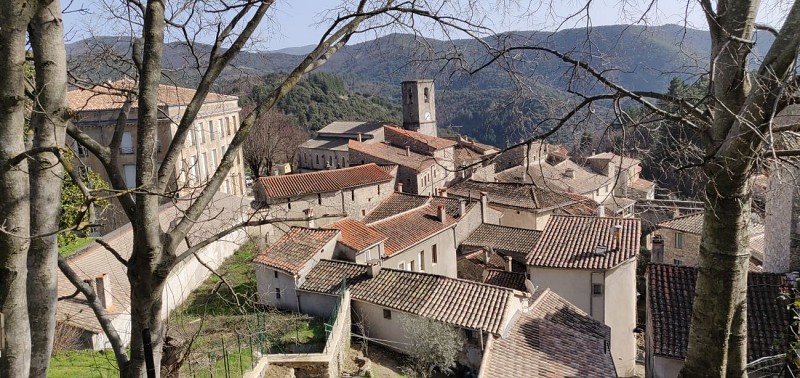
[[274, 140], [155, 249]]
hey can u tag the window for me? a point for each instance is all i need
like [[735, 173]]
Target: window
[[434, 255], [211, 130], [220, 130], [190, 137], [401, 265], [228, 126], [317, 159], [276, 273], [363, 212], [278, 293], [387, 314], [353, 195], [678, 240], [203, 165], [410, 99], [289, 203], [426, 95], [235, 125], [198, 133], [319, 198], [597, 289], [422, 261], [126, 145], [412, 266], [214, 160], [195, 168], [227, 186], [677, 262], [379, 189]]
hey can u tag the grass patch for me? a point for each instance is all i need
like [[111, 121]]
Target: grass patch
[[70, 248], [224, 322], [83, 364]]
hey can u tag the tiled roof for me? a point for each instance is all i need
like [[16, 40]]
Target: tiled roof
[[692, 223], [224, 211], [395, 204], [348, 127], [670, 292], [642, 185], [112, 96], [393, 155], [471, 265], [459, 302], [553, 339], [330, 144], [356, 235], [297, 185], [511, 280], [402, 138], [616, 159], [570, 242], [556, 177], [503, 238], [410, 228], [298, 246], [518, 195]]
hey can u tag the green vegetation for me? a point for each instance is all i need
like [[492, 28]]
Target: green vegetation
[[83, 364], [322, 98], [219, 322], [68, 249], [73, 206]]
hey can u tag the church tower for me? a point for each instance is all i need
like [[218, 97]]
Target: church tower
[[419, 106]]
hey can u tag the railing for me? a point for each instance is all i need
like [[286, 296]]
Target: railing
[[126, 150]]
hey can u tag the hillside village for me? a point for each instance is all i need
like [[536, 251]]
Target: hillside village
[[540, 263]]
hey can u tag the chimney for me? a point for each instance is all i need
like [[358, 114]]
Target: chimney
[[601, 211], [462, 208], [508, 263], [408, 151], [442, 213], [618, 235], [373, 268], [443, 192], [658, 249], [398, 187], [484, 206], [309, 213], [103, 290], [569, 172], [359, 137]]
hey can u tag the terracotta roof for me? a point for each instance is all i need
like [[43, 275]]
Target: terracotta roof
[[405, 138], [459, 302], [410, 228], [395, 204], [518, 195], [393, 155], [224, 211], [356, 235], [692, 223], [503, 238], [351, 128], [112, 96], [297, 185], [557, 177], [297, 247], [511, 280], [471, 265], [571, 241], [670, 294], [552, 339]]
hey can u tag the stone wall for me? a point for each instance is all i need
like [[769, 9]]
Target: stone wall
[[689, 255], [328, 363]]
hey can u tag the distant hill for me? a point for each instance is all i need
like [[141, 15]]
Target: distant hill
[[637, 57], [300, 50]]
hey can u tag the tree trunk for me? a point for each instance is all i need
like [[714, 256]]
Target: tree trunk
[[14, 201], [49, 126]]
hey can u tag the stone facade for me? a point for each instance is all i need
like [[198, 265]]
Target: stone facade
[[689, 252], [419, 106]]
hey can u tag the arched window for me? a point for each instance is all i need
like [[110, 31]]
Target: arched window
[[426, 95]]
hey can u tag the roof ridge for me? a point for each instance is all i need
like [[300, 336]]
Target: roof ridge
[[409, 211], [450, 278], [343, 262]]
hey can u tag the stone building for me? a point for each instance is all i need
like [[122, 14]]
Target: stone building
[[329, 150], [677, 241], [96, 111], [524, 205], [323, 197], [419, 106], [591, 262]]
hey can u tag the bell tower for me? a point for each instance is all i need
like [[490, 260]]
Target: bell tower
[[419, 106]]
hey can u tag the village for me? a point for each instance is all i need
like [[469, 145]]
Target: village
[[542, 265]]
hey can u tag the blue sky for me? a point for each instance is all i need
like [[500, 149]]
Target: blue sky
[[296, 23]]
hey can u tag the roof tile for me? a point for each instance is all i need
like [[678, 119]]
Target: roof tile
[[113, 95], [296, 185], [570, 242], [356, 235], [292, 251]]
